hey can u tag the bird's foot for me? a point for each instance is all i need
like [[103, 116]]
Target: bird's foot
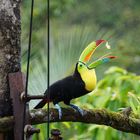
[[77, 109], [59, 110]]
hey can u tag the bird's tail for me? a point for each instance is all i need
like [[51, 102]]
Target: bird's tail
[[41, 103]]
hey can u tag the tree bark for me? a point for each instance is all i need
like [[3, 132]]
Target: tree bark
[[10, 30], [115, 120]]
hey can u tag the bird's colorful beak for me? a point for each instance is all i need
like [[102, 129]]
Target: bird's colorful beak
[[98, 42], [89, 50], [100, 61]]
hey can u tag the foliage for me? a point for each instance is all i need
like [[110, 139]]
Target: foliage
[[118, 89], [116, 20]]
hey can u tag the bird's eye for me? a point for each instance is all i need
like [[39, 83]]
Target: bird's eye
[[80, 65]]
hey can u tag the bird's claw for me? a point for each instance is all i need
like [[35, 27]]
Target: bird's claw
[[71, 105], [77, 109], [80, 111], [59, 111]]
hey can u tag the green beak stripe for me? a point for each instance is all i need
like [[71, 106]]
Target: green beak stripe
[[87, 52]]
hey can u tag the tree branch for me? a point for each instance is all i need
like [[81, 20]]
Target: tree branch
[[96, 116]]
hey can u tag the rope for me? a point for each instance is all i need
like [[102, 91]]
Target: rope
[[48, 70], [28, 62]]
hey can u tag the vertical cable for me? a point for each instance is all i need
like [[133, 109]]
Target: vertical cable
[[48, 70], [29, 49], [28, 62]]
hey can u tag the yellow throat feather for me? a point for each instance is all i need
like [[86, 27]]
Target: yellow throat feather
[[88, 77]]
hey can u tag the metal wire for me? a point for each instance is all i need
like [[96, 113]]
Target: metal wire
[[48, 70], [28, 61]]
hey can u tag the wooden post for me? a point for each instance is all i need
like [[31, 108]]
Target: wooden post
[[17, 86]]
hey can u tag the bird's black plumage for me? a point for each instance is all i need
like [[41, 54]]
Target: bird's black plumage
[[65, 90]]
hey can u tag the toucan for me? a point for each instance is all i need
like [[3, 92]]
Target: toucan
[[81, 82]]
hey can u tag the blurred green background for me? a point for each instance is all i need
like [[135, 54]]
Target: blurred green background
[[74, 24]]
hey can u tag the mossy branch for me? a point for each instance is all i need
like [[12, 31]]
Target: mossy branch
[[116, 120]]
